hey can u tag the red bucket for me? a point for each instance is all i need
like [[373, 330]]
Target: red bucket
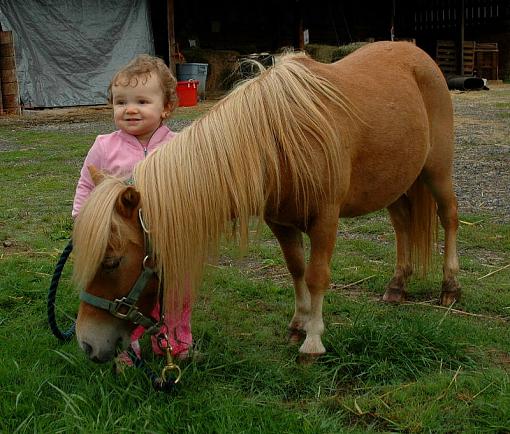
[[187, 91]]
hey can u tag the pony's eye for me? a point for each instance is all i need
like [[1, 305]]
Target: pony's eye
[[110, 263]]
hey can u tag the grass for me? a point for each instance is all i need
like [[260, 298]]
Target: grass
[[409, 368]]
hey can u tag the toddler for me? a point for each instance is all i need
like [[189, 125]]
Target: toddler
[[142, 95]]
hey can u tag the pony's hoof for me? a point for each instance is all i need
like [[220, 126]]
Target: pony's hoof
[[306, 359], [450, 293], [295, 336], [394, 295], [449, 297], [312, 346]]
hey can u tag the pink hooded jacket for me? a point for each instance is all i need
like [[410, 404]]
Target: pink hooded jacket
[[116, 154]]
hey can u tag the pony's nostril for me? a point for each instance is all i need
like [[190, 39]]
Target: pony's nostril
[[87, 348]]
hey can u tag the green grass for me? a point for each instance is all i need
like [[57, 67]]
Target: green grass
[[409, 368]]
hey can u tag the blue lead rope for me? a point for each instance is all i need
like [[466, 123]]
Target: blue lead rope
[[66, 335]]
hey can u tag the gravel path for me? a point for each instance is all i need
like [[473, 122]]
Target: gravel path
[[482, 132], [482, 163]]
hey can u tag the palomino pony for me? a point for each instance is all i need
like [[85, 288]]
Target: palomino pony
[[300, 145]]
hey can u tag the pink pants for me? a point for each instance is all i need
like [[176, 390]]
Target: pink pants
[[178, 330]]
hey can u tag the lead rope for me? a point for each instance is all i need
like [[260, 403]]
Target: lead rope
[[160, 383], [66, 335]]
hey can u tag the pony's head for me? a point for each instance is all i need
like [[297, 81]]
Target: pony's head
[[110, 266]]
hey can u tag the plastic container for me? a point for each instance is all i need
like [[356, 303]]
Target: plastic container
[[187, 91], [193, 71]]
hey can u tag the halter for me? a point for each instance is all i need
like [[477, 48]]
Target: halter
[[125, 308]]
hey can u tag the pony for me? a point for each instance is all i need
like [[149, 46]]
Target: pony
[[299, 146]]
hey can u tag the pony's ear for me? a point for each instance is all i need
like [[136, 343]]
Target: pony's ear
[[127, 201], [96, 175]]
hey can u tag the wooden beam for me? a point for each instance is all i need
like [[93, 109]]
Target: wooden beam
[[300, 27], [461, 11], [171, 34], [392, 28]]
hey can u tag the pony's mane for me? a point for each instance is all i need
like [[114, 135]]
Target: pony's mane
[[225, 164], [97, 227]]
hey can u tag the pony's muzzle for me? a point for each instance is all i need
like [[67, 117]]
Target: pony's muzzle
[[100, 335], [99, 355]]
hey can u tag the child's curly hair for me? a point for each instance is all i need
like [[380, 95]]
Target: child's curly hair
[[141, 68]]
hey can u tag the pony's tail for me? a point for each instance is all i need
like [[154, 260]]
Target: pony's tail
[[423, 231]]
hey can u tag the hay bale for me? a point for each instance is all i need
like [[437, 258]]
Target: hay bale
[[222, 64], [331, 53]]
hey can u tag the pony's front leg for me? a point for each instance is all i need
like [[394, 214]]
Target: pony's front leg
[[401, 220], [322, 235], [291, 243], [297, 325]]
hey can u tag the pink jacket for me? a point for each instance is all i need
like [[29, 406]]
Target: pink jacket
[[116, 154]]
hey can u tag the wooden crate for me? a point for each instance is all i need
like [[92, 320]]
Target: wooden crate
[[446, 57]]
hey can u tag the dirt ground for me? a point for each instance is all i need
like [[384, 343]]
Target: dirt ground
[[482, 135]]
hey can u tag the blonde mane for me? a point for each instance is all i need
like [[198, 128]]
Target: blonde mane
[[223, 167], [97, 227], [225, 164]]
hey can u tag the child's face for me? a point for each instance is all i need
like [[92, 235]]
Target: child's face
[[138, 110]]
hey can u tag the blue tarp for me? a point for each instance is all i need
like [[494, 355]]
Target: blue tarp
[[68, 51]]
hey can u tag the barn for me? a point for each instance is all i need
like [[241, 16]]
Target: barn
[[64, 53]]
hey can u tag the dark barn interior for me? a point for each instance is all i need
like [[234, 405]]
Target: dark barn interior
[[265, 26]]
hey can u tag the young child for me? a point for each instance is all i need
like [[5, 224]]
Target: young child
[[143, 95]]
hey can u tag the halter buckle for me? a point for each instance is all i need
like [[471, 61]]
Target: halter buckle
[[121, 303]]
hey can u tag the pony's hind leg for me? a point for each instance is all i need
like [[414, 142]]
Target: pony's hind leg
[[291, 243], [401, 220], [437, 174], [442, 190]]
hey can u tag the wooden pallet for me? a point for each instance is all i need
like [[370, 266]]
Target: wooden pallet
[[487, 60], [446, 57]]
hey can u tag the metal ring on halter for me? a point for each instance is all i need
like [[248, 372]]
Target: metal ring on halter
[[141, 221], [144, 263]]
